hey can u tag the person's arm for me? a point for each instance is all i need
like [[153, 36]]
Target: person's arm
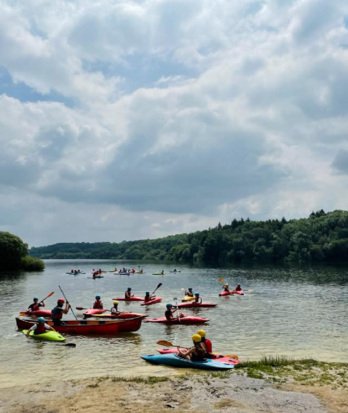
[[32, 328]]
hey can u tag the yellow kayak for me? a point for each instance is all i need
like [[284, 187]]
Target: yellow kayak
[[187, 298]]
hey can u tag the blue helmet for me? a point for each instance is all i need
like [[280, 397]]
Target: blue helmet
[[97, 297], [169, 305], [196, 294], [41, 320]]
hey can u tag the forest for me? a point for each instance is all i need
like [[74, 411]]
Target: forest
[[320, 238]]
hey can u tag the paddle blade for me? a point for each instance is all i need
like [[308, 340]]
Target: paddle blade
[[70, 344], [165, 343], [81, 308], [221, 280]]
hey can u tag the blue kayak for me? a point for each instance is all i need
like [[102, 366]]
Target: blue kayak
[[176, 361]]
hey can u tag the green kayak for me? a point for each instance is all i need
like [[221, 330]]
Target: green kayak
[[49, 335]]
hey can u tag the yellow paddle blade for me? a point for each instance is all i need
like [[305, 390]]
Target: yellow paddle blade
[[221, 280], [165, 343]]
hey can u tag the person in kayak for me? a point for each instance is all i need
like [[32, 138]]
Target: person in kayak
[[39, 328], [58, 311], [195, 353], [198, 299], [148, 297], [114, 309], [238, 288], [205, 341], [226, 288], [169, 312], [98, 305], [128, 294], [35, 306], [189, 292]]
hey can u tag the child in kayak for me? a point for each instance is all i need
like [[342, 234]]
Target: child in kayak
[[128, 294], [198, 299], [205, 341], [169, 312], [39, 328], [36, 305], [238, 288], [148, 297], [195, 353], [114, 309], [226, 288], [98, 305], [189, 292], [58, 311]]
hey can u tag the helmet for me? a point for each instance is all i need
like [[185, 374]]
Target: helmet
[[97, 297], [61, 300], [35, 299], [201, 333], [147, 293], [115, 302], [128, 289], [169, 305], [196, 338], [196, 294], [190, 289], [41, 320]]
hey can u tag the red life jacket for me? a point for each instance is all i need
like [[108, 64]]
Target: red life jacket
[[40, 328], [208, 345], [98, 305]]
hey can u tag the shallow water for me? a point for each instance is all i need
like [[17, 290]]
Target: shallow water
[[291, 312]]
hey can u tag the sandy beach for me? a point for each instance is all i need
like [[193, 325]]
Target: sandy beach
[[315, 390]]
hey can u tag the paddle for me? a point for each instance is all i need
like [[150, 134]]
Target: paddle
[[166, 343], [67, 302], [48, 296], [158, 286]]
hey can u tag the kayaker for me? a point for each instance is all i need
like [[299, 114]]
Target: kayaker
[[195, 353], [98, 305], [169, 312], [58, 311], [35, 306], [206, 342], [189, 292], [238, 288], [128, 294], [39, 328], [198, 299], [148, 297], [226, 288], [114, 309]]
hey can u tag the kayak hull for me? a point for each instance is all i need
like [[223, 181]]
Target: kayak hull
[[38, 313], [176, 361], [88, 327], [192, 304], [181, 320], [107, 315], [216, 357], [135, 298], [234, 292], [47, 336], [153, 301]]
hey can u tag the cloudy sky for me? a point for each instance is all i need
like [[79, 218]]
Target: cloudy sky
[[123, 120]]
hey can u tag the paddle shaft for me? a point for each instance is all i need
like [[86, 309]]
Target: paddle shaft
[[158, 286], [67, 301], [48, 296]]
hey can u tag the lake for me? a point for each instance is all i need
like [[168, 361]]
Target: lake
[[299, 313]]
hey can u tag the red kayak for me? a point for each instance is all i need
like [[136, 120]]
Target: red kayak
[[233, 292], [152, 301], [88, 327], [192, 304], [107, 314], [38, 313], [181, 320], [134, 298], [216, 357]]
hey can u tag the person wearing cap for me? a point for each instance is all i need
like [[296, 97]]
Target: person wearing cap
[[98, 305], [189, 292], [39, 328], [205, 341], [198, 299], [169, 312], [226, 288], [35, 306], [114, 309], [128, 294], [195, 353], [58, 311]]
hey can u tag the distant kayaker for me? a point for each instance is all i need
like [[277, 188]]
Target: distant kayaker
[[35, 306], [169, 312], [128, 294], [58, 311], [98, 305], [148, 297], [198, 299], [114, 309], [226, 288], [238, 288], [195, 353], [189, 292], [205, 341], [39, 328]]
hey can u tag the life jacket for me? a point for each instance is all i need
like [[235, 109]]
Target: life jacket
[[127, 295], [98, 305], [169, 315], [34, 307], [199, 352], [208, 345], [40, 328], [57, 313]]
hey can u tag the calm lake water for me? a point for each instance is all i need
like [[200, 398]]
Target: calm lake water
[[291, 312]]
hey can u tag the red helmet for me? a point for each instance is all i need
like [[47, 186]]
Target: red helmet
[[61, 300]]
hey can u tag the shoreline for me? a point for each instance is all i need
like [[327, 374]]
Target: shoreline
[[301, 386]]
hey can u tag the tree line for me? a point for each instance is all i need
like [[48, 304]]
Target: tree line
[[320, 238]]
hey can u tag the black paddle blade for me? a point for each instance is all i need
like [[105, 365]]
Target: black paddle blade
[[70, 344]]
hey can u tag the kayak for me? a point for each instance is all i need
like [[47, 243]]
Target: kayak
[[153, 301], [88, 327], [158, 273], [107, 314], [187, 298], [38, 313], [216, 357], [135, 298], [48, 335], [192, 304], [233, 292], [176, 361], [181, 320]]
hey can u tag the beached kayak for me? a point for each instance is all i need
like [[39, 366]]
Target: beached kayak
[[192, 304], [107, 314], [216, 357], [187, 298], [233, 292], [135, 298], [153, 301], [176, 361], [48, 335], [88, 327], [181, 320]]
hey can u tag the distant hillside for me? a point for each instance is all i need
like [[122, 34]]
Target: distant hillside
[[322, 237]]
